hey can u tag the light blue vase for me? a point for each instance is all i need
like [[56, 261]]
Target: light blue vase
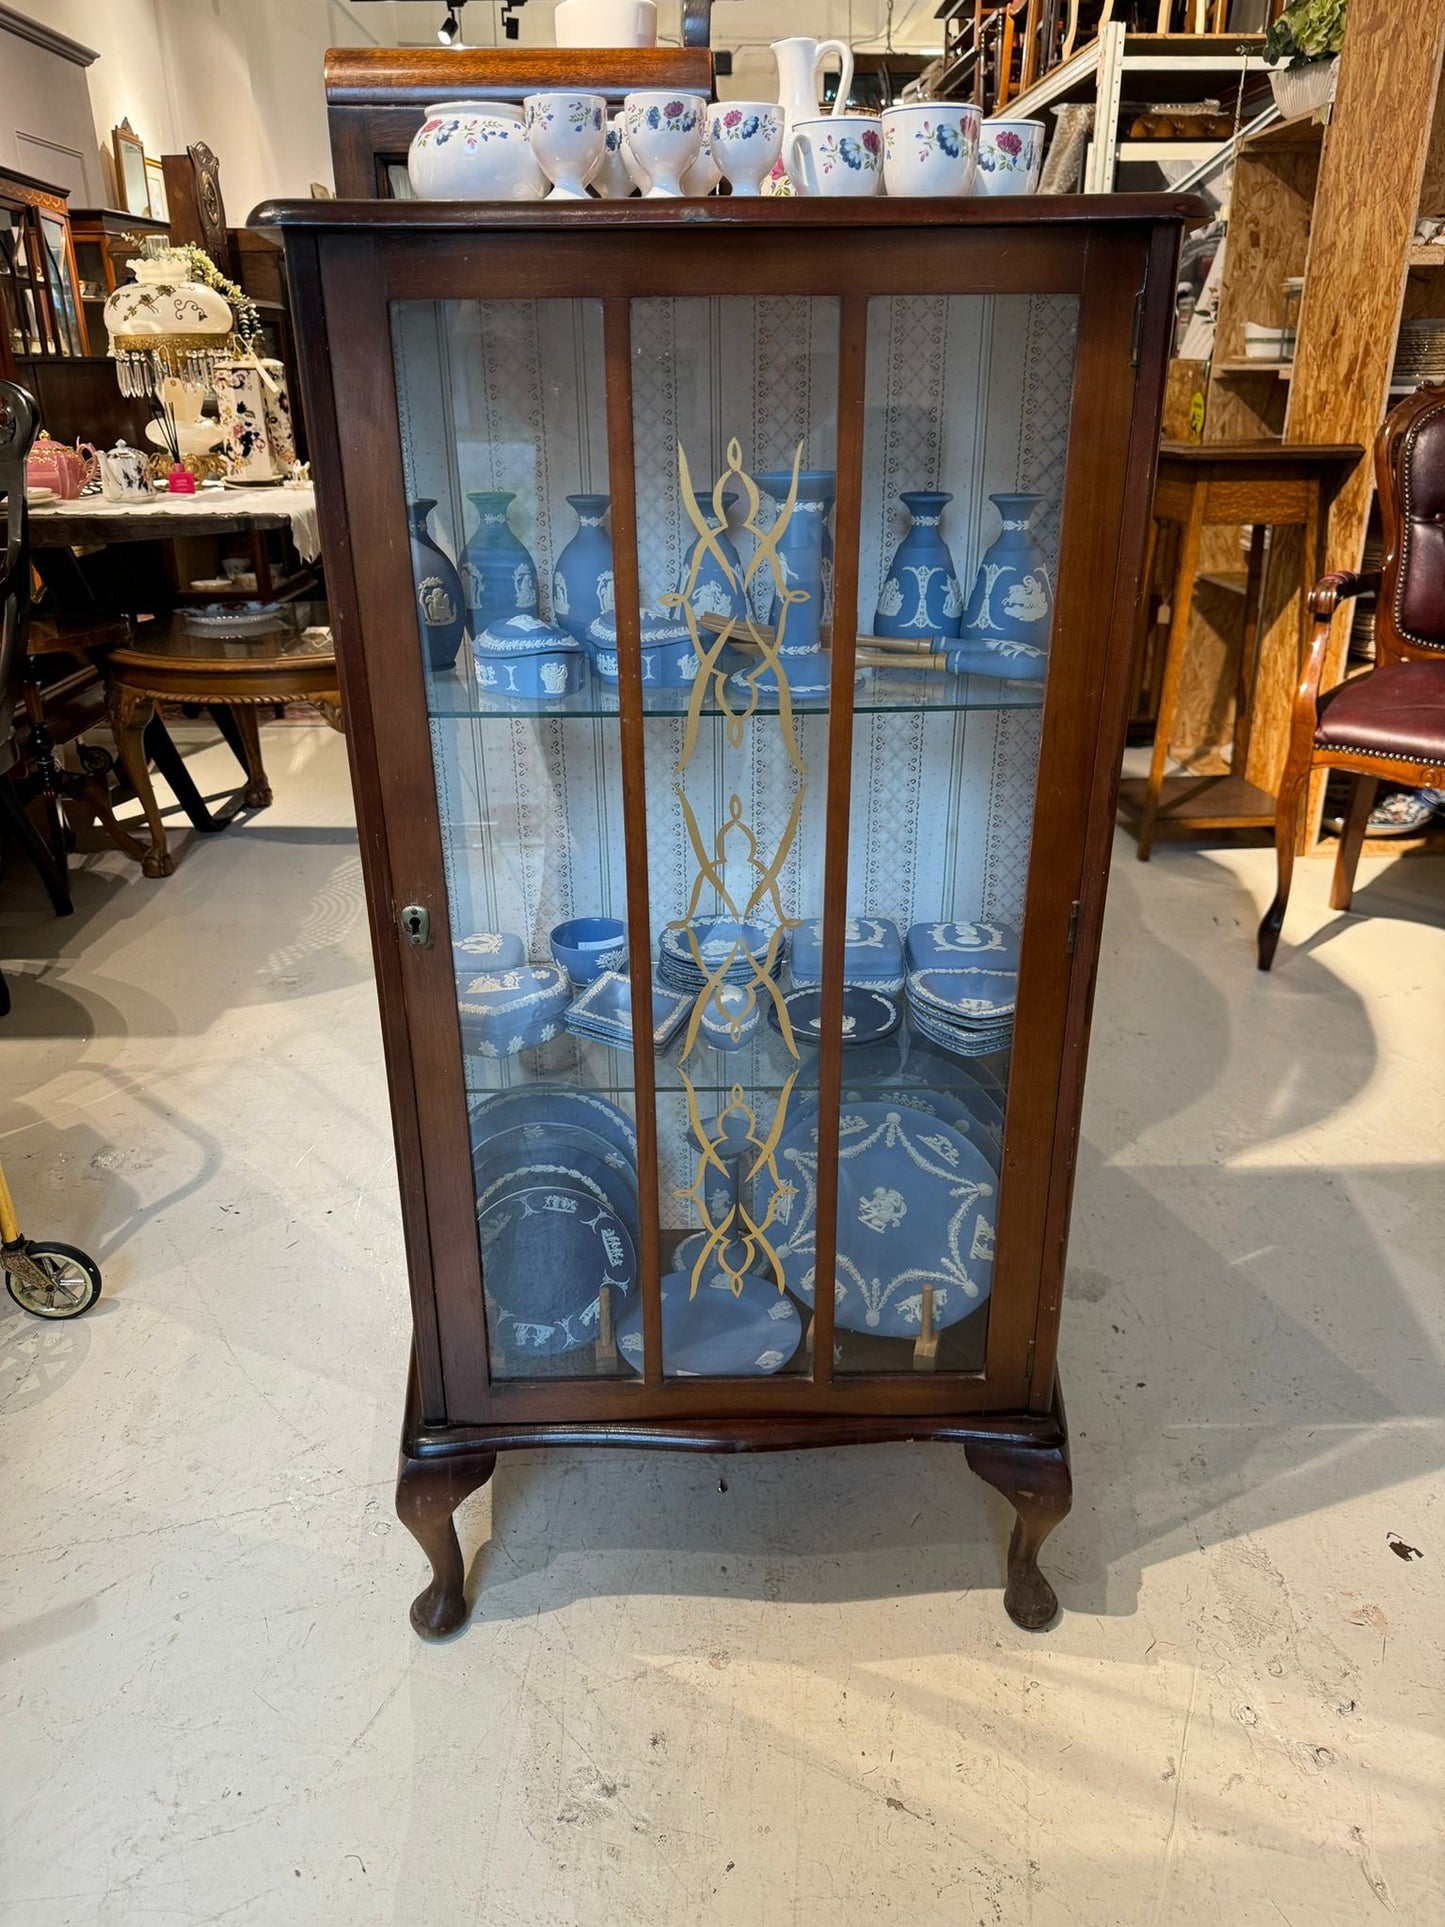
[[718, 590], [1006, 624], [439, 601], [920, 594], [805, 552], [582, 579], [498, 575]]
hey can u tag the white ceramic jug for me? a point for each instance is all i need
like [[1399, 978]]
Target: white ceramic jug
[[800, 71]]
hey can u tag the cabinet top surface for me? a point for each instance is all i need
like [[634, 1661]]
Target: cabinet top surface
[[1022, 211]]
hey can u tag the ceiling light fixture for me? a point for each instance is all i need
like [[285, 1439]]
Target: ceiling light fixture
[[450, 29]]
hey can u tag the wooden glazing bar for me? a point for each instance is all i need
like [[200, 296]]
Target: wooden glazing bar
[[848, 512], [622, 481]]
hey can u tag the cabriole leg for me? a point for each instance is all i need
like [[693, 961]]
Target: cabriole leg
[[428, 1492], [1036, 1481]]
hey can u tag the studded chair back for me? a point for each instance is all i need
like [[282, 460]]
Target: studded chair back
[[1410, 479]]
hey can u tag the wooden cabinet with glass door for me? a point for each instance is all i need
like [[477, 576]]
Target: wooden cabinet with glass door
[[733, 604], [40, 307]]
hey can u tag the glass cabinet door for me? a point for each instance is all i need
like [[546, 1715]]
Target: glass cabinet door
[[706, 1090]]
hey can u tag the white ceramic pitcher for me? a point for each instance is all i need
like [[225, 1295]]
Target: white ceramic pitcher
[[800, 72]]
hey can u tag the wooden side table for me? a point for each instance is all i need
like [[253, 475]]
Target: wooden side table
[[183, 664], [1259, 485]]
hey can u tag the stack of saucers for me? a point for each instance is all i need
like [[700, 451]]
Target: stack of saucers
[[962, 984], [603, 1012], [722, 943]]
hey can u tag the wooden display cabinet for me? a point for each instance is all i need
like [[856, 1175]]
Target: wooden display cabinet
[[106, 241], [654, 353]]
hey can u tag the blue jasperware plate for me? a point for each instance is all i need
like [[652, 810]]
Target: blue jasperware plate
[[552, 1105], [868, 1016], [710, 1333], [916, 1204], [604, 1011], [962, 1043], [547, 1251], [976, 997]]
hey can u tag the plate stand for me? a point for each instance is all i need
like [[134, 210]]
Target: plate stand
[[1023, 1456]]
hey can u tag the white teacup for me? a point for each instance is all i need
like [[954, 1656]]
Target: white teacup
[[931, 149], [746, 137], [568, 136], [836, 154], [613, 179], [1010, 157], [664, 137]]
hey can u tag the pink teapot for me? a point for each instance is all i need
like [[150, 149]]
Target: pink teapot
[[58, 466]]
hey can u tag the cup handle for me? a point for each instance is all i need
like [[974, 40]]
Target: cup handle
[[845, 78], [800, 165]]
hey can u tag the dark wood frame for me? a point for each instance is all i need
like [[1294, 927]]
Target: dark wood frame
[[1393, 645], [1117, 254], [32, 200]]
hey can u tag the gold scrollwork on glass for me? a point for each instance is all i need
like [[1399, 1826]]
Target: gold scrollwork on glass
[[748, 957]]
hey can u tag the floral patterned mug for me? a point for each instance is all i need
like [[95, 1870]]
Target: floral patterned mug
[[664, 135], [836, 154], [930, 149], [746, 137], [1010, 157]]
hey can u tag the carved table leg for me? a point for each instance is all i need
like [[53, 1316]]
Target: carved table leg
[[130, 710], [428, 1492], [1035, 1480], [257, 794]]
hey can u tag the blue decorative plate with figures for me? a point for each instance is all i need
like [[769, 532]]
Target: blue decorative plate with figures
[[916, 1207], [709, 1333], [868, 1016], [547, 1252], [552, 1105]]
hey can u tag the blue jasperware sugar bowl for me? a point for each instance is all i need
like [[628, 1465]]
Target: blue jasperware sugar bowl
[[525, 658], [586, 946]]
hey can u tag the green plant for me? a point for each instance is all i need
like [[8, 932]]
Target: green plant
[[1308, 30]]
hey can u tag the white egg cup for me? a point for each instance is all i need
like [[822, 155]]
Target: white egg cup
[[746, 138], [613, 180], [568, 136], [664, 136]]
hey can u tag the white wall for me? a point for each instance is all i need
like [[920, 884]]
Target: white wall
[[245, 75]]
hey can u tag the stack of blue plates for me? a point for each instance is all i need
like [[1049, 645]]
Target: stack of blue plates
[[603, 1012], [721, 943], [555, 1172], [962, 984]]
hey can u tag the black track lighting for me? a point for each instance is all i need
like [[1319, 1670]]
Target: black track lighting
[[450, 29]]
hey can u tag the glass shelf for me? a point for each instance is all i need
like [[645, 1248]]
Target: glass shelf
[[453, 695], [762, 1066]]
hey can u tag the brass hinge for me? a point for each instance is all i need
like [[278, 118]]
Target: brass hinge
[[1137, 341], [1071, 941], [1029, 1365]]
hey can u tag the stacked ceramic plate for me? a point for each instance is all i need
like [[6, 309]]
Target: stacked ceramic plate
[[689, 958], [961, 985], [555, 1171], [1420, 353], [603, 1012]]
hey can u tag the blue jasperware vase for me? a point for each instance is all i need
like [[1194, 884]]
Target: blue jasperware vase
[[920, 594], [718, 590], [499, 576], [440, 605], [805, 552], [1006, 623], [582, 579]]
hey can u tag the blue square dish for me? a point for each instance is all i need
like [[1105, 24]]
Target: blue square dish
[[872, 954]]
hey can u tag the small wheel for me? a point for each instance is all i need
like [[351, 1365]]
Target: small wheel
[[74, 1282]]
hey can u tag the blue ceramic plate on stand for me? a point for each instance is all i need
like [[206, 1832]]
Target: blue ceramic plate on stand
[[710, 1333], [532, 1147], [916, 1207], [547, 1251], [738, 1256], [868, 1016], [947, 1106], [555, 1104]]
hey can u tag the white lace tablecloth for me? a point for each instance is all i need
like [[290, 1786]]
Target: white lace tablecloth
[[297, 503]]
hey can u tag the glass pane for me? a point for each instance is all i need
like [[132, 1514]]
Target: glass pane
[[734, 405], [62, 293], [505, 455], [967, 405]]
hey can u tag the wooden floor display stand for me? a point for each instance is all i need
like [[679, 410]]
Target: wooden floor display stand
[[1025, 1459]]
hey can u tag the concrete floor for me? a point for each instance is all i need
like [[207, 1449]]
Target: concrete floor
[[790, 1698]]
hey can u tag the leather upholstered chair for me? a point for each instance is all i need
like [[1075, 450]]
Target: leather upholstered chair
[[1387, 725]]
